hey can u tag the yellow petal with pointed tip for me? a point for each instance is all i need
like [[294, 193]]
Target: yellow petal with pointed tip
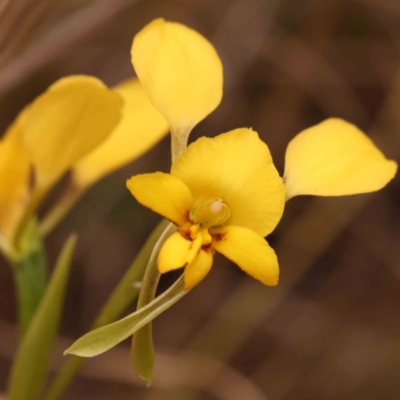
[[139, 129], [174, 253], [164, 194], [236, 167], [181, 72], [334, 158], [250, 252], [66, 122], [197, 270], [14, 180]]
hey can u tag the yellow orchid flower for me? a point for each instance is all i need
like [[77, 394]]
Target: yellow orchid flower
[[224, 194], [181, 73], [50, 135]]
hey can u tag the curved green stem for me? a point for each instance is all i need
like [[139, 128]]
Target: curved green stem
[[142, 351]]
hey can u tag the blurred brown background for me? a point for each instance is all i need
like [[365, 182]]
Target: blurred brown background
[[331, 329]]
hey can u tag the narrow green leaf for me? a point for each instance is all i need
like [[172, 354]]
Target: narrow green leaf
[[106, 337], [28, 373], [30, 274], [142, 350], [123, 295]]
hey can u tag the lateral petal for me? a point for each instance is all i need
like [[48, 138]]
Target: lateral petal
[[174, 253], [164, 194], [335, 158], [250, 252]]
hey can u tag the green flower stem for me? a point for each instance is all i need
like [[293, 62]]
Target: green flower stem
[[69, 198], [30, 274], [124, 294], [142, 351]]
